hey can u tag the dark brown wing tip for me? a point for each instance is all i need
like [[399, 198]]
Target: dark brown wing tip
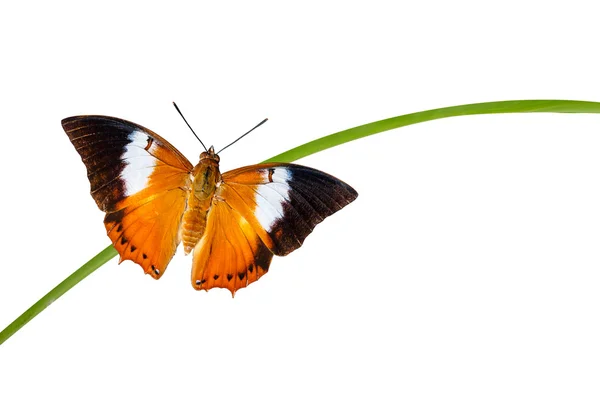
[[352, 193], [67, 121]]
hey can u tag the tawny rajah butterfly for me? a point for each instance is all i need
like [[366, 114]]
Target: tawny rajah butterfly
[[234, 222]]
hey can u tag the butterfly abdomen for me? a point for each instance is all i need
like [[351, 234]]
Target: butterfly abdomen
[[193, 227]]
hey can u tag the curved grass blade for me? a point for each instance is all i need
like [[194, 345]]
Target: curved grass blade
[[495, 107], [99, 259], [326, 142]]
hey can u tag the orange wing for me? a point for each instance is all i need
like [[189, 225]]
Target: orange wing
[[258, 211], [230, 254], [140, 180]]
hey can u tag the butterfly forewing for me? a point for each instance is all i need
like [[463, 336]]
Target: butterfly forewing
[[139, 180], [284, 202]]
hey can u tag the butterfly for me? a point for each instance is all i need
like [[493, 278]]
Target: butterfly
[[234, 222]]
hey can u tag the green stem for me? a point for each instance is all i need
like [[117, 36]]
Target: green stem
[[498, 107], [62, 288], [494, 107]]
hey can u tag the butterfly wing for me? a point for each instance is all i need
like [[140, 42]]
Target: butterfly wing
[[284, 202], [230, 254], [139, 180], [273, 207]]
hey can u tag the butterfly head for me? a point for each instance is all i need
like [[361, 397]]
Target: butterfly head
[[210, 155]]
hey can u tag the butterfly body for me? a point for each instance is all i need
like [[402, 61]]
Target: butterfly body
[[232, 222], [206, 178]]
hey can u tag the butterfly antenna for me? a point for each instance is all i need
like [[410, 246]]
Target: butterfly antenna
[[177, 108], [259, 124]]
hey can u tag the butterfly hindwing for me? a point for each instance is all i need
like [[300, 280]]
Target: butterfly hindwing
[[284, 202], [230, 254], [139, 180]]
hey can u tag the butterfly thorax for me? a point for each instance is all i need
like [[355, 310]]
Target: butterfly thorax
[[206, 179]]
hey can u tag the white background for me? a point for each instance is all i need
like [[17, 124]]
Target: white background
[[469, 266]]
